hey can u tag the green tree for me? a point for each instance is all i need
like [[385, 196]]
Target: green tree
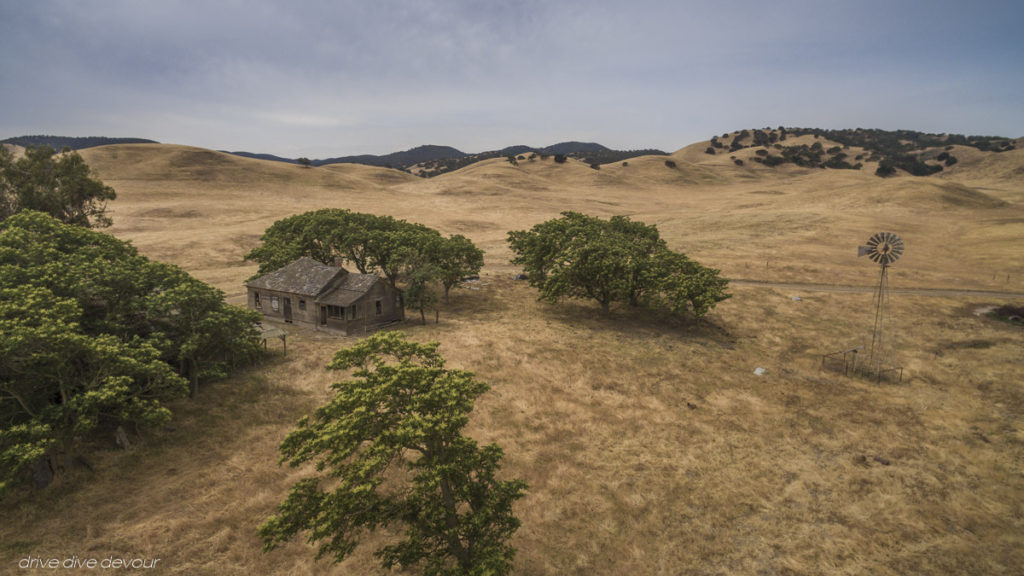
[[401, 409], [456, 258], [60, 185], [420, 269], [94, 336], [373, 244], [616, 260], [304, 162]]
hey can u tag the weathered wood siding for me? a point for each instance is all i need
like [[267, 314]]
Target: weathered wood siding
[[361, 316], [366, 313], [266, 299]]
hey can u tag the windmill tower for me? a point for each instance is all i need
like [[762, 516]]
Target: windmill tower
[[883, 248]]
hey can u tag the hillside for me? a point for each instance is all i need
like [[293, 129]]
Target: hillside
[[649, 444], [430, 160], [73, 142]]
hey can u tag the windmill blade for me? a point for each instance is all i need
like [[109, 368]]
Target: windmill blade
[[863, 251]]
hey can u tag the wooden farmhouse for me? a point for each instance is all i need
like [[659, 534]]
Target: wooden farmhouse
[[315, 294]]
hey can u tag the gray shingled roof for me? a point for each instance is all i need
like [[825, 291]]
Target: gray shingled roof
[[304, 276], [352, 287]]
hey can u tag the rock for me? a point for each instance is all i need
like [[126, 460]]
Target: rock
[[121, 437], [759, 371]]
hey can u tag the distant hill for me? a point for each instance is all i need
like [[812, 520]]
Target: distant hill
[[400, 160], [917, 153], [573, 147], [73, 142], [432, 160], [270, 157], [589, 152]]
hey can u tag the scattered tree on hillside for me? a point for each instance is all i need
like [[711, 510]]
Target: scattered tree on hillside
[[616, 260], [304, 162], [95, 336], [57, 184], [402, 409]]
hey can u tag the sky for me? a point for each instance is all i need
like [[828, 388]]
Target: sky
[[331, 78]]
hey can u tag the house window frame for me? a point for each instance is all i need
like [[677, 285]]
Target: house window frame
[[256, 300], [380, 307], [275, 303]]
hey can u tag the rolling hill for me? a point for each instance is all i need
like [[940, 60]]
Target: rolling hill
[[649, 444]]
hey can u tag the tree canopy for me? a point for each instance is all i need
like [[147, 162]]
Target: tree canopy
[[401, 409], [60, 185], [95, 335], [615, 260], [400, 251]]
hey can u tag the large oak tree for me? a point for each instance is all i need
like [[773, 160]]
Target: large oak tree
[[389, 451]]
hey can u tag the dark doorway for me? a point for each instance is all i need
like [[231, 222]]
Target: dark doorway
[[287, 309]]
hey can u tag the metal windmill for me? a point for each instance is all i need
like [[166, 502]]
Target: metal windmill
[[883, 248]]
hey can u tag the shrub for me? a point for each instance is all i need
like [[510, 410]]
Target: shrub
[[710, 150], [670, 163], [738, 162], [560, 158]]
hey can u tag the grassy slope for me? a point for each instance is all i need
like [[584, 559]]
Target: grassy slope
[[649, 446]]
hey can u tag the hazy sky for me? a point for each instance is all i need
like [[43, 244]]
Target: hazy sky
[[330, 78]]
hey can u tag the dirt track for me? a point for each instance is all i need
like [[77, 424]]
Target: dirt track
[[937, 292]]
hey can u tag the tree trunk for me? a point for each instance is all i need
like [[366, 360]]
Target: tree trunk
[[451, 523]]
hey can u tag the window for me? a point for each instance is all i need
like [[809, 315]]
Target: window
[[256, 300], [275, 305], [302, 304], [335, 312], [380, 308], [351, 312]]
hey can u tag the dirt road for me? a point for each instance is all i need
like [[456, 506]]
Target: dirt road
[[937, 292]]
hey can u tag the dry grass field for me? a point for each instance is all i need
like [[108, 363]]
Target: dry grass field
[[649, 445]]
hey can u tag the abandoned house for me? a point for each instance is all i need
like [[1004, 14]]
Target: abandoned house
[[316, 294]]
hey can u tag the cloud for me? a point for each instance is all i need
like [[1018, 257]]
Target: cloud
[[329, 78]]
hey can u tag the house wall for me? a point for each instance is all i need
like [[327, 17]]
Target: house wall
[[367, 318], [300, 316]]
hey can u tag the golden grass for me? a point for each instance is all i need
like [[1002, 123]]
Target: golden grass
[[649, 445]]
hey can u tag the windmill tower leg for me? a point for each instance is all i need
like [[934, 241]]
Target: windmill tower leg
[[877, 356]]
